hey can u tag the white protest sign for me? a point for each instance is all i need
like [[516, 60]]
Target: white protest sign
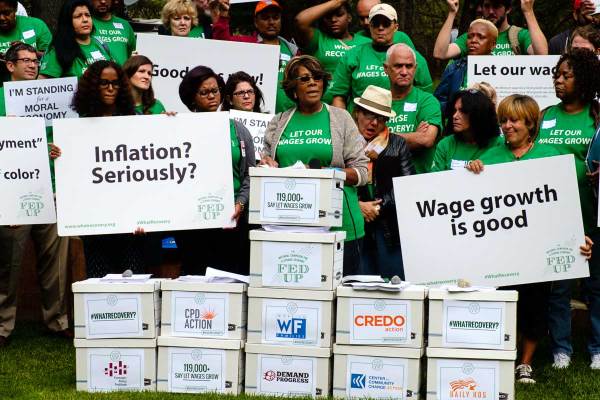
[[376, 321], [27, 196], [256, 123], [472, 379], [291, 264], [498, 228], [529, 75], [596, 3], [286, 375], [156, 172], [171, 64], [198, 314], [115, 369], [376, 378], [290, 199], [194, 370], [112, 315], [46, 98], [474, 324], [291, 322]]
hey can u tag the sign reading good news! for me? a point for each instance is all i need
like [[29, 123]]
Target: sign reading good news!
[[498, 228], [156, 172]]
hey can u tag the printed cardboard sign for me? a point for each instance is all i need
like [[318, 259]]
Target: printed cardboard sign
[[286, 375], [378, 321], [288, 264], [200, 314], [474, 324], [376, 378], [290, 199], [291, 322], [113, 315], [467, 379], [115, 369], [256, 123], [196, 370]]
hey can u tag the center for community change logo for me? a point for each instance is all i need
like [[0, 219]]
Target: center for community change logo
[[357, 381], [560, 259], [210, 207], [31, 205]]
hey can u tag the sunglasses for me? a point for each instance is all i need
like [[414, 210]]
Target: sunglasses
[[376, 23], [306, 78]]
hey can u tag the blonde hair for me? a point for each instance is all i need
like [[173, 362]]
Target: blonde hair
[[489, 25], [486, 89], [520, 107], [178, 7]]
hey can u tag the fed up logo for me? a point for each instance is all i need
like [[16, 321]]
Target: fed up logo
[[210, 207], [357, 381], [31, 205], [560, 259]]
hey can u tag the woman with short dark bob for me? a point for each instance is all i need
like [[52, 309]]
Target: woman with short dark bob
[[241, 93], [139, 71], [472, 129], [334, 141], [201, 90]]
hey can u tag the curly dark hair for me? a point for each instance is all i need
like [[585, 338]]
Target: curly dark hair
[[87, 101], [482, 116], [130, 68], [313, 66], [191, 82], [585, 66], [231, 84]]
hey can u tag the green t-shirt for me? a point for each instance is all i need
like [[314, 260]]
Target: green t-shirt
[[572, 134], [451, 153], [197, 32], [328, 50], [283, 102], [156, 108], [118, 36], [29, 30], [502, 154], [92, 52], [502, 44], [363, 66], [236, 155], [399, 37], [415, 108]]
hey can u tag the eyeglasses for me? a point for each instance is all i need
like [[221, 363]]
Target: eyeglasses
[[306, 78], [376, 23], [244, 93], [105, 83], [372, 116], [207, 92], [29, 60]]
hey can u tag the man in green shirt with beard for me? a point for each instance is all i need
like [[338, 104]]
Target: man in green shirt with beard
[[16, 28], [418, 116], [114, 31]]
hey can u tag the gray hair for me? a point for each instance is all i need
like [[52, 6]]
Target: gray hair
[[393, 48]]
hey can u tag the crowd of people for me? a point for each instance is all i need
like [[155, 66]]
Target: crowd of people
[[368, 96]]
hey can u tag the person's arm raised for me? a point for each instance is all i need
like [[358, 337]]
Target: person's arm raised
[[539, 44], [443, 49], [306, 18]]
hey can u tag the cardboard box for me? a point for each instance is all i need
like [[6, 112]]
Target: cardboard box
[[204, 310], [470, 374], [188, 365], [105, 310], [376, 372], [311, 261], [379, 318], [288, 371], [308, 197], [484, 319], [290, 317], [104, 365]]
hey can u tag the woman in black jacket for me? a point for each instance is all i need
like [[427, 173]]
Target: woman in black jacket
[[389, 157]]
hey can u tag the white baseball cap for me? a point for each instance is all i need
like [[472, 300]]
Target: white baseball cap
[[383, 9]]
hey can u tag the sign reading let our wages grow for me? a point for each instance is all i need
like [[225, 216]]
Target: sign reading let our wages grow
[[498, 228]]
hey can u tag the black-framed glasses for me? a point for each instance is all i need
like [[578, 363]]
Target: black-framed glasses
[[207, 92], [306, 78], [29, 60], [244, 93], [105, 83]]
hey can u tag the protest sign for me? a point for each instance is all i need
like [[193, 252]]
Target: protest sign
[[46, 98], [529, 75], [498, 228], [171, 64], [256, 123], [156, 172], [27, 196]]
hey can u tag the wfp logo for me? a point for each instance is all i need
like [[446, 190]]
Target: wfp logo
[[357, 381], [293, 328]]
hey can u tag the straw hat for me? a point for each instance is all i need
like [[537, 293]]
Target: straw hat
[[376, 100]]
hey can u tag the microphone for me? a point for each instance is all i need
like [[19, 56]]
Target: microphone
[[314, 163]]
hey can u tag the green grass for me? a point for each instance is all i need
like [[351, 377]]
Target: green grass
[[36, 366]]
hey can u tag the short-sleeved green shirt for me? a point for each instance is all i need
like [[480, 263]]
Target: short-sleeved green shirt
[[92, 52], [197, 32], [156, 108], [451, 153], [283, 102], [29, 30], [328, 50], [503, 47], [363, 66], [419, 106], [118, 36], [503, 154], [399, 37]]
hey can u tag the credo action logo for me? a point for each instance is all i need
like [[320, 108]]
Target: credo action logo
[[391, 323]]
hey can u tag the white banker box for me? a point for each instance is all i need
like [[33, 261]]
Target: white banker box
[[188, 365], [311, 261], [484, 319], [288, 371], [376, 372], [470, 374], [285, 196], [290, 317], [105, 365], [105, 310], [381, 318], [204, 310]]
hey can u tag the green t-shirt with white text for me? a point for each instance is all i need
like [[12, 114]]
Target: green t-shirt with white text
[[92, 52], [399, 37], [503, 47], [118, 35], [452, 153], [197, 32], [32, 31]]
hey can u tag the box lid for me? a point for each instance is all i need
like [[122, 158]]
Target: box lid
[[299, 351], [482, 295], [281, 236], [413, 292], [174, 284], [94, 285], [376, 351], [325, 173], [171, 341], [473, 354], [292, 294], [110, 343]]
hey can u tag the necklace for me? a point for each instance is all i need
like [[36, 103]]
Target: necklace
[[521, 154]]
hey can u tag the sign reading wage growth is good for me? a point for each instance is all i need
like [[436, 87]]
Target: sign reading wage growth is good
[[156, 172], [498, 228]]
